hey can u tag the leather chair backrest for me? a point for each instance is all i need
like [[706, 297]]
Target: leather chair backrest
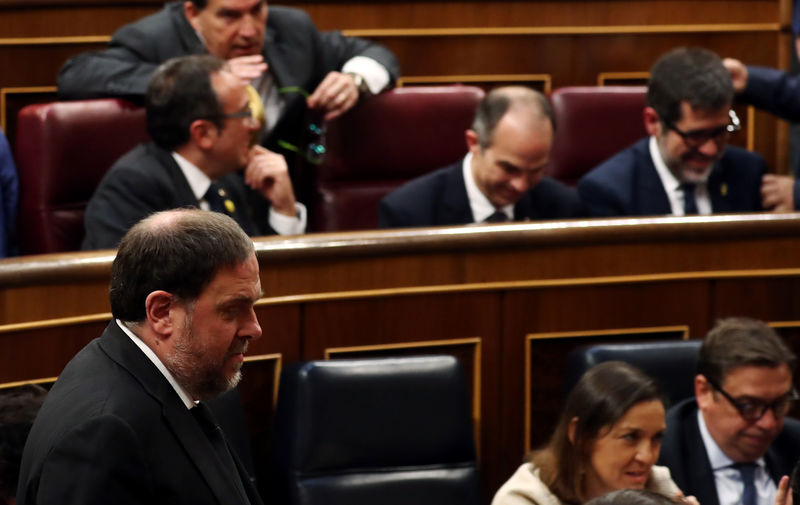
[[388, 431], [672, 363], [384, 141], [63, 150], [592, 124]]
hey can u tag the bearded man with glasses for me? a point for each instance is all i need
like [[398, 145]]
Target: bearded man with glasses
[[685, 166], [732, 444]]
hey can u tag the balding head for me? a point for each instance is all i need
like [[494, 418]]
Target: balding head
[[177, 251], [510, 143], [529, 107]]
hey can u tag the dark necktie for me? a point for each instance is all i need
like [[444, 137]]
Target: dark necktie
[[218, 200], [497, 217], [748, 471], [689, 203], [213, 432]]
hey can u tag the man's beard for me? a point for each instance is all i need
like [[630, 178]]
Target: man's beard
[[194, 369]]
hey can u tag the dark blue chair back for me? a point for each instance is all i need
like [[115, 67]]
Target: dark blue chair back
[[672, 363], [388, 431]]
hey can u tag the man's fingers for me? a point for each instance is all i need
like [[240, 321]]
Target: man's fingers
[[247, 68], [336, 91]]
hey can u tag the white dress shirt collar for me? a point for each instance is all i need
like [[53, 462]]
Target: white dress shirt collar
[[185, 398], [480, 205]]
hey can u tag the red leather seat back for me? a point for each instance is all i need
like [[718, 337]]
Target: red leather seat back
[[592, 124], [63, 150], [383, 142]]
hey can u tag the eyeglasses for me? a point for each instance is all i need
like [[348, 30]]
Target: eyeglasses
[[245, 113], [314, 134], [696, 138], [753, 410]]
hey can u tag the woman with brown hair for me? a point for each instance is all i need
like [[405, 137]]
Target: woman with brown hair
[[607, 438]]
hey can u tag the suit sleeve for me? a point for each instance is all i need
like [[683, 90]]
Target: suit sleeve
[[9, 198], [123, 70], [338, 49], [773, 90], [121, 200], [99, 462]]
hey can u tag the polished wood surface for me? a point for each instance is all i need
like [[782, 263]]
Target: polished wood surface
[[509, 301], [572, 42]]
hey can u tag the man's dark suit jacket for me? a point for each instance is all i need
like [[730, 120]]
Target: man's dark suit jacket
[[9, 199], [627, 184], [113, 430], [440, 198], [683, 452], [147, 179], [297, 54]]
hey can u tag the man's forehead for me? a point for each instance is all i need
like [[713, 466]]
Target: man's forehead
[[233, 5], [703, 112], [746, 378]]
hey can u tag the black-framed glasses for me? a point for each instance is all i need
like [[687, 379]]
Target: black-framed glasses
[[696, 138], [753, 410], [245, 113], [313, 133]]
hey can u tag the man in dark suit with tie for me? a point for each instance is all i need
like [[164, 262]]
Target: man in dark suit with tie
[[500, 179], [200, 120], [126, 420], [732, 443], [270, 47], [685, 166]]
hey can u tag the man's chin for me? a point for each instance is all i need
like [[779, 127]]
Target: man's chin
[[694, 175]]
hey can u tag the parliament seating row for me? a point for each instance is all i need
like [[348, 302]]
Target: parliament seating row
[[398, 430], [64, 148], [394, 429]]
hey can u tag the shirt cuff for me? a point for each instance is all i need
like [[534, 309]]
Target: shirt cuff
[[289, 225], [375, 75]]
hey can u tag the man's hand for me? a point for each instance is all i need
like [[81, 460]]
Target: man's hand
[[777, 193], [784, 494], [268, 174], [738, 72], [247, 68], [687, 500], [336, 94]]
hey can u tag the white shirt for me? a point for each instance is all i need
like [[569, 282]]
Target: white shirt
[[728, 480], [480, 205], [199, 183], [185, 398], [672, 186]]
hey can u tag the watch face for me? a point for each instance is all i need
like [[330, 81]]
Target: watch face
[[359, 81]]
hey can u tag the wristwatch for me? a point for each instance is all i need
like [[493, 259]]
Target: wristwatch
[[360, 83]]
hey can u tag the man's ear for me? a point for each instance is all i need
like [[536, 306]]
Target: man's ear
[[191, 12], [158, 313], [471, 136], [203, 133], [573, 424], [652, 123], [703, 391]]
